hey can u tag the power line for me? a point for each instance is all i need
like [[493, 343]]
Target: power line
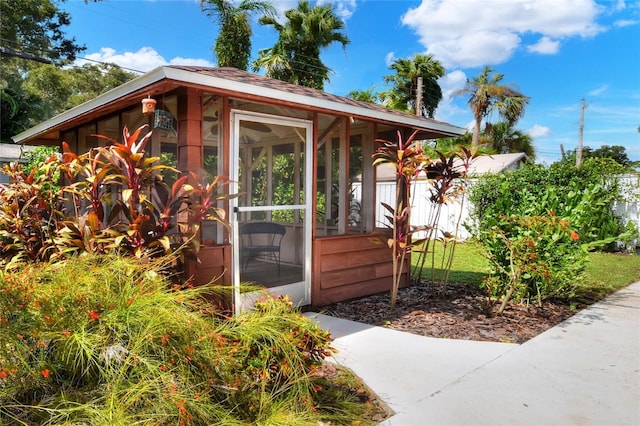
[[109, 63], [30, 54]]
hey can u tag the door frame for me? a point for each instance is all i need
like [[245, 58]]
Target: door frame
[[300, 291]]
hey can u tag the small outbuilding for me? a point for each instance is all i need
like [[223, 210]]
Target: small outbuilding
[[293, 153], [10, 153]]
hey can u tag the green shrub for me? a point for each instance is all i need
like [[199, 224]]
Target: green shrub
[[585, 197], [104, 340], [532, 258], [38, 156]]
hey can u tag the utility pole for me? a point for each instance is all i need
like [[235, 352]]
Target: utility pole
[[580, 134], [419, 97], [7, 51], [562, 150]]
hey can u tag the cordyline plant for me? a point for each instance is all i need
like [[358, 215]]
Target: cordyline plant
[[407, 158], [447, 176], [112, 199]]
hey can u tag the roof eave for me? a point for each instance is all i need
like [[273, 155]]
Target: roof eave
[[190, 77], [112, 95], [325, 104]]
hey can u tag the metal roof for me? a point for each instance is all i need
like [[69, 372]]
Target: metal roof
[[496, 163], [11, 152], [242, 82], [481, 165]]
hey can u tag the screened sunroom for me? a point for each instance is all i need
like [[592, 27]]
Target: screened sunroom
[[300, 159]]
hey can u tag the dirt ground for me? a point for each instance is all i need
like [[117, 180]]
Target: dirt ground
[[453, 311]]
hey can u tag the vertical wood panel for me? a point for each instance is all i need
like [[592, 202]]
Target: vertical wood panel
[[214, 263]]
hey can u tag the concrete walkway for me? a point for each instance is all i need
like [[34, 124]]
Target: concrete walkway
[[585, 371]]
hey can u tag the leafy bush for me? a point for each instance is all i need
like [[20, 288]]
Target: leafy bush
[[532, 258], [536, 223], [28, 214], [103, 340], [37, 156], [585, 197]]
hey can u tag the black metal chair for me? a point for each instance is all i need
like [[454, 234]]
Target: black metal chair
[[261, 238]]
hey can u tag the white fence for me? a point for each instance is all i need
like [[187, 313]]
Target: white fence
[[422, 209], [628, 208]]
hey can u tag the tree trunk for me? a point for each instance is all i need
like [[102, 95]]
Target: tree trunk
[[476, 133]]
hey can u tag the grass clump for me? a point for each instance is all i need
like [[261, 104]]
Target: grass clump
[[105, 340]]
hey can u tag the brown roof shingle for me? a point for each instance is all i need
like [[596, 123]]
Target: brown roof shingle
[[241, 76]]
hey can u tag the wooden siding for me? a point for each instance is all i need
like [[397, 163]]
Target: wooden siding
[[350, 266], [214, 264]]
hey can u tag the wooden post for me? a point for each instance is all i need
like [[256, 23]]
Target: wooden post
[[190, 146]]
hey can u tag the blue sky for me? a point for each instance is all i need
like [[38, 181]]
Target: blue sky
[[555, 51]]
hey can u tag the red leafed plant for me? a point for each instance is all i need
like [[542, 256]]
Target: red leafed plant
[[111, 199], [407, 158], [447, 176]]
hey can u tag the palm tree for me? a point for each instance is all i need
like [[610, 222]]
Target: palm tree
[[364, 96], [506, 139], [295, 57], [233, 45], [486, 95], [403, 94]]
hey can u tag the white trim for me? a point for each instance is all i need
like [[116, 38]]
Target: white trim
[[300, 291], [271, 208]]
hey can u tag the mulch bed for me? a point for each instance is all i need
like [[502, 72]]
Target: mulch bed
[[453, 311]]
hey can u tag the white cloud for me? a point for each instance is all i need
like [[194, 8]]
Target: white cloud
[[545, 46], [538, 131], [448, 107], [389, 58], [600, 90], [178, 60], [281, 6], [620, 5], [471, 125], [145, 59], [344, 8], [625, 23], [451, 82], [486, 32]]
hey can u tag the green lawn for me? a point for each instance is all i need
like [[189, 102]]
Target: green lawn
[[605, 272], [469, 265]]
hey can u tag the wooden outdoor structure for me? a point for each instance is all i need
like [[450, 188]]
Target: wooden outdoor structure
[[293, 153]]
